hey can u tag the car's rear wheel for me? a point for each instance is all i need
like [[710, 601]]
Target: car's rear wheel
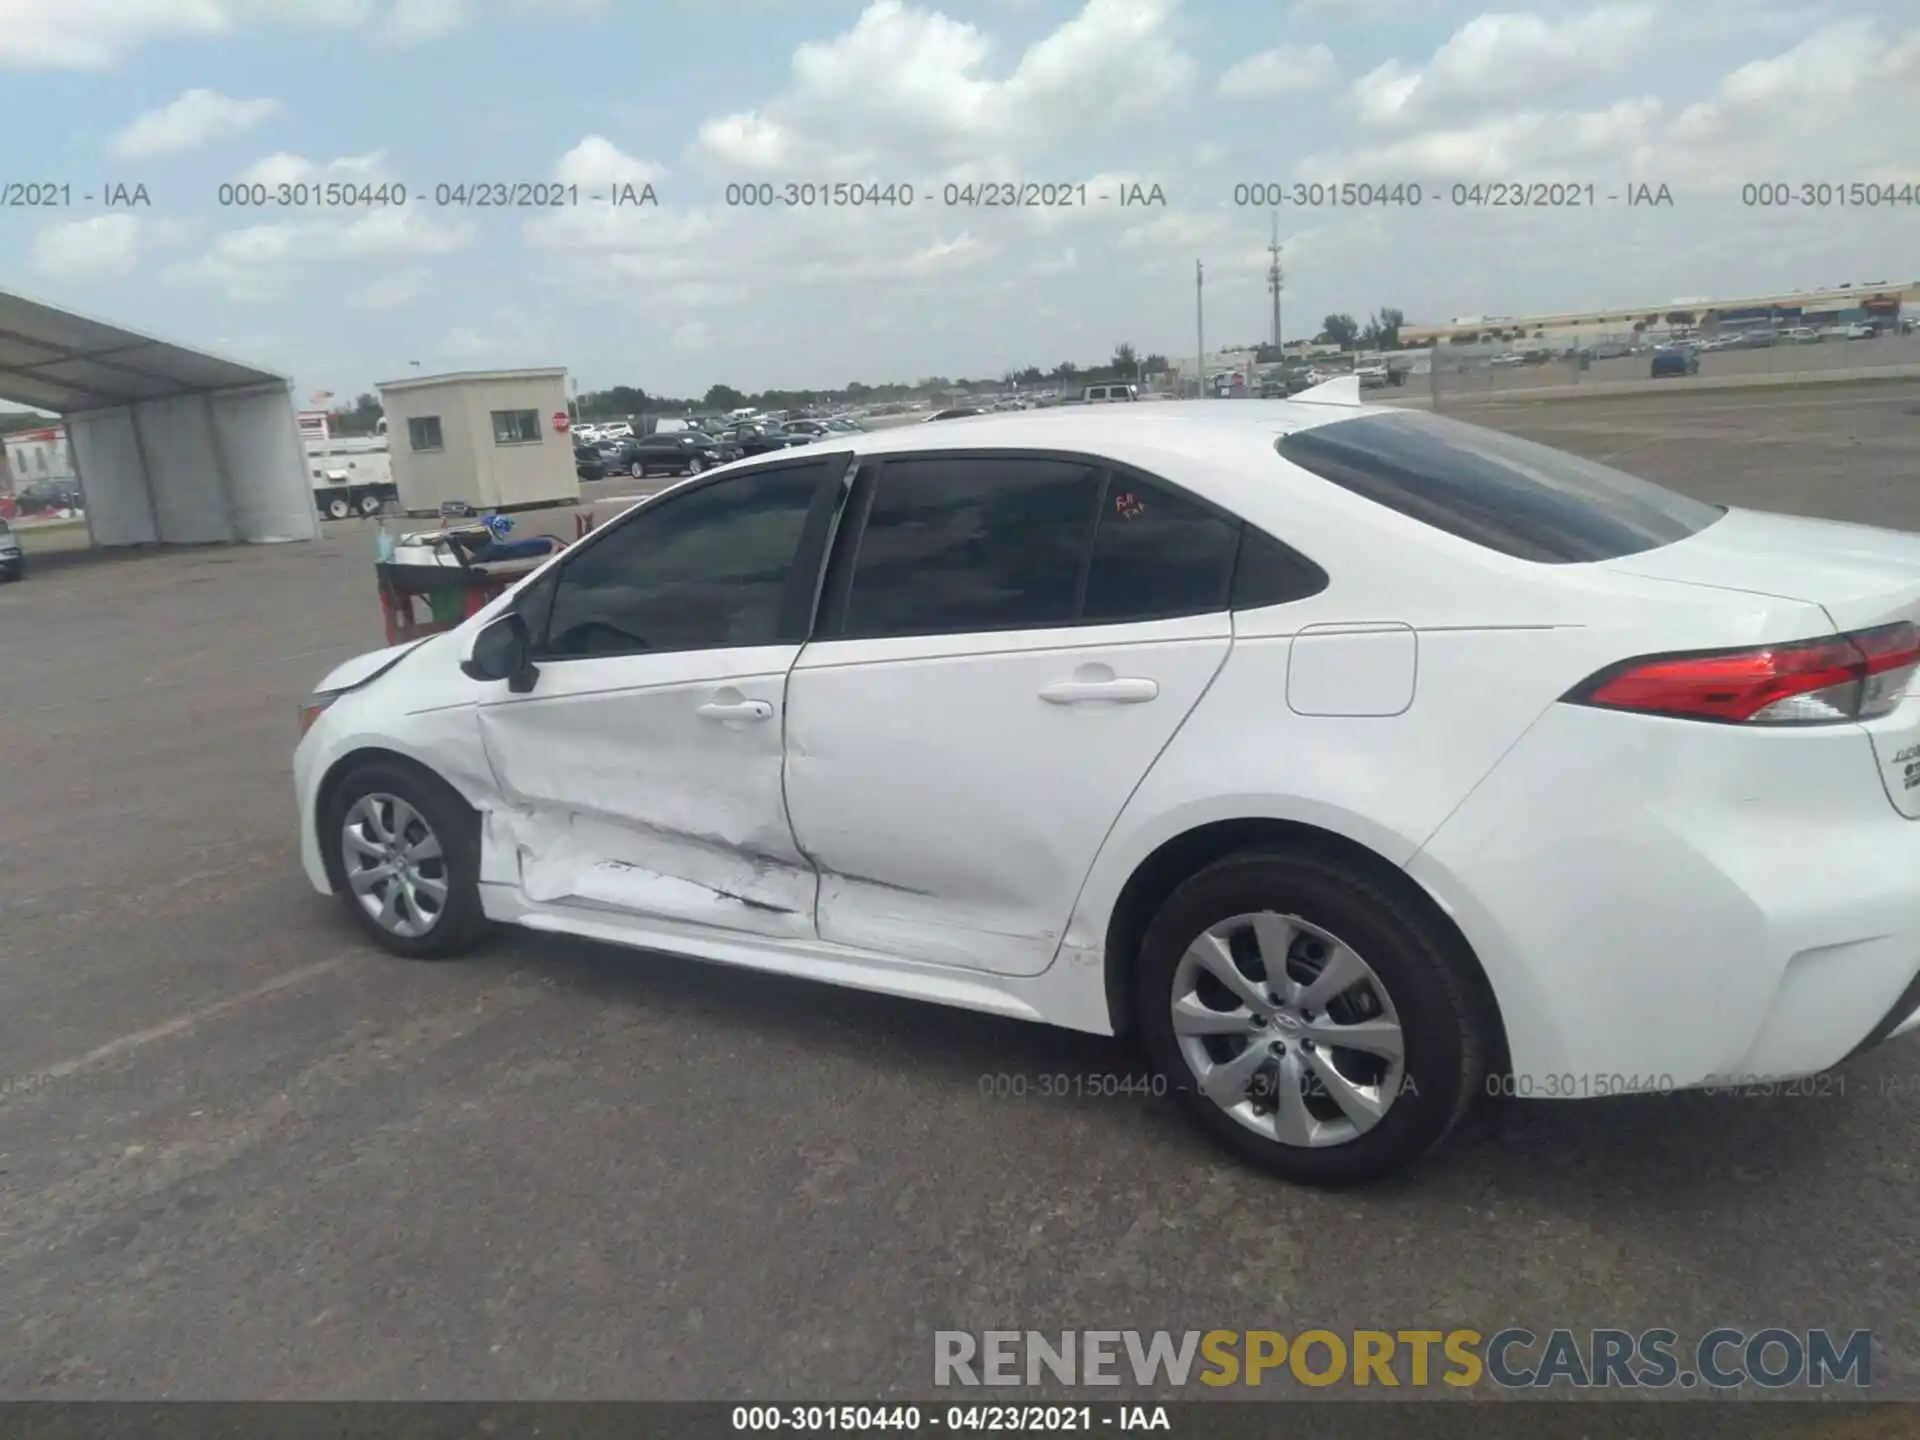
[[638, 470], [1310, 1018], [696, 465], [406, 861], [371, 504], [338, 507]]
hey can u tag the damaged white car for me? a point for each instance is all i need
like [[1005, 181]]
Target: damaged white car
[[1361, 760]]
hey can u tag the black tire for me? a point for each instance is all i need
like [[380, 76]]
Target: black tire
[[339, 508], [638, 470], [1446, 1029], [461, 923], [371, 504]]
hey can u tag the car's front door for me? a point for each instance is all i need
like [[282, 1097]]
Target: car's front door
[[642, 770], [1007, 644]]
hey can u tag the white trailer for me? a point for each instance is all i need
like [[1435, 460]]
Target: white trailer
[[352, 474]]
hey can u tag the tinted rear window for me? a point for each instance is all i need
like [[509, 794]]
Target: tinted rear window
[[1496, 490]]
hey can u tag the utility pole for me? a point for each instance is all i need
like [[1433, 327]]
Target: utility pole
[[1273, 282], [1200, 323]]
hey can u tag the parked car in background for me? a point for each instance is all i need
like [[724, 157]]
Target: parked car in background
[[43, 497], [1674, 360], [679, 452], [1859, 330], [1372, 377], [815, 428], [958, 412], [589, 461], [1108, 394], [1802, 335], [13, 560], [762, 437]]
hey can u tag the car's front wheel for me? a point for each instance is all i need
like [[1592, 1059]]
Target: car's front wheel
[[1310, 1018], [406, 860], [638, 470]]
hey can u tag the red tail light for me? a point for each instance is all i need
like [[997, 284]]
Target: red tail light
[[1805, 682]]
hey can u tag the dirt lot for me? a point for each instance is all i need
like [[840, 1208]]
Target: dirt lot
[[242, 1154]]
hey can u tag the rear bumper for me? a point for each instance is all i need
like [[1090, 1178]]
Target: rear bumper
[[1661, 904]]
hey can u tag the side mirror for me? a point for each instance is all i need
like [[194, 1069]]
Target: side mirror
[[503, 650]]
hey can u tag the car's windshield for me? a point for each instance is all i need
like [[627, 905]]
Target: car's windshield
[[1497, 490]]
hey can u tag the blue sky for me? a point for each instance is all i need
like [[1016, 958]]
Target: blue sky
[[184, 95]]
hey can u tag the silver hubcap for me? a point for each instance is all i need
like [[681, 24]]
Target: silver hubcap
[[1287, 1030], [395, 866], [698, 465]]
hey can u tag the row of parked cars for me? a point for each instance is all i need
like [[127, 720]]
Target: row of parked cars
[[690, 445]]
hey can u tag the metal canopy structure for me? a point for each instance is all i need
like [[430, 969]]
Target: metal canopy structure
[[172, 444], [53, 359]]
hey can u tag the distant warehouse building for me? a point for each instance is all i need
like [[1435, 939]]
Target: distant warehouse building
[[492, 439], [1877, 303]]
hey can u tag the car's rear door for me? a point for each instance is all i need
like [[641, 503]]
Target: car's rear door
[[1008, 641]]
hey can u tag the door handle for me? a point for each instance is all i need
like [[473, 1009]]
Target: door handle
[[737, 710], [1114, 692]]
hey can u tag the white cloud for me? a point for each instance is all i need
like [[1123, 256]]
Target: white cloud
[[694, 335], [104, 247], [596, 160], [269, 261], [413, 22], [1575, 146], [101, 247], [94, 34], [192, 120], [98, 34], [1498, 57], [284, 169], [1289, 70], [390, 232], [390, 292], [1847, 90], [907, 82]]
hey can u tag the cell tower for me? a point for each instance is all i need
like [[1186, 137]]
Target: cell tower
[[1274, 279]]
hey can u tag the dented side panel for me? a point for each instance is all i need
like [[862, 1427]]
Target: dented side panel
[[651, 785]]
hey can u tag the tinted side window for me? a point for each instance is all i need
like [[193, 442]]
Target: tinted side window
[[704, 570], [1269, 573], [954, 545], [1496, 490], [1157, 553]]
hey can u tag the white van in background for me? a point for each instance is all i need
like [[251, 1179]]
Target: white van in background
[[1108, 394]]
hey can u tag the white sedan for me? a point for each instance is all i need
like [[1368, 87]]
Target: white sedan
[[1362, 761]]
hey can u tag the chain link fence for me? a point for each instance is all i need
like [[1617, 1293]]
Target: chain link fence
[[1492, 371]]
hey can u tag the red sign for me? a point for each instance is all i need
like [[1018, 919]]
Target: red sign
[[560, 421]]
